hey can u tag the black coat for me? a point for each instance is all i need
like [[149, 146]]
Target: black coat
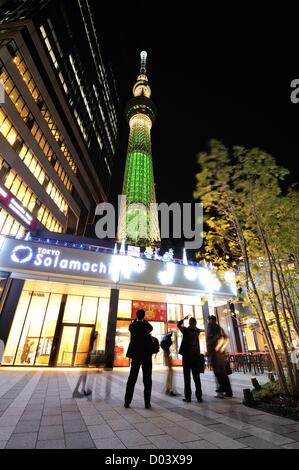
[[140, 346], [190, 341]]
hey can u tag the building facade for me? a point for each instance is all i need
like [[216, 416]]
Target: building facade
[[58, 119], [53, 293]]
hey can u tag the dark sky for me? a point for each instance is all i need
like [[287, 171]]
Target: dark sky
[[206, 84]]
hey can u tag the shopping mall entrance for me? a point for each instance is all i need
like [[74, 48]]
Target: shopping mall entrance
[[74, 345]]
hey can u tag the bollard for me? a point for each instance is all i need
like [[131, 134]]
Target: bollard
[[255, 383], [248, 397], [271, 377]]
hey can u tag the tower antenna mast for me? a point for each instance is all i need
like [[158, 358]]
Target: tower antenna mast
[[143, 56]]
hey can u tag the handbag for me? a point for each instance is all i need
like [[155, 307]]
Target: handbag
[[155, 345], [198, 362]]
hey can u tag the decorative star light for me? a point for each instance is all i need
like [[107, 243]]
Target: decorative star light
[[149, 252]]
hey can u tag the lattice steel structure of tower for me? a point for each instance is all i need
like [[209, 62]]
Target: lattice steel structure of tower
[[138, 220]]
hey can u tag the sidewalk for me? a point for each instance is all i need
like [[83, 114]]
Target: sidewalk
[[37, 411]]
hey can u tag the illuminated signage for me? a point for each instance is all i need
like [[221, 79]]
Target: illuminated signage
[[65, 261], [7, 199]]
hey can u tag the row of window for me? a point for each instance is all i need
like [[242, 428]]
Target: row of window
[[15, 140], [28, 199], [36, 94], [9, 225], [27, 117]]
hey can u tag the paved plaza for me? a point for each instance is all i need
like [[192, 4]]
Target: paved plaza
[[37, 410]]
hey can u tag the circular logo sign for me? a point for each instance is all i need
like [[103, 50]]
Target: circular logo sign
[[21, 254]]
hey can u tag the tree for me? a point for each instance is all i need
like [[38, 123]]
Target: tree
[[251, 226]]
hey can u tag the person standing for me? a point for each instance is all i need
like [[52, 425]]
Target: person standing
[[216, 340], [165, 345], [190, 351], [86, 391], [140, 352]]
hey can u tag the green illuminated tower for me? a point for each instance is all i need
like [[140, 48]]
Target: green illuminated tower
[[138, 221]]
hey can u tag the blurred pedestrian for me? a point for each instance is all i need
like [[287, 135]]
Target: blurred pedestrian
[[190, 351], [165, 344], [216, 343], [85, 390], [140, 352]]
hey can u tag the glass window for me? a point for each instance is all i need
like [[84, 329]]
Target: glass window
[[173, 312], [101, 325], [16, 328], [32, 328], [15, 185], [47, 334], [72, 309], [89, 310], [7, 225], [5, 127], [124, 309], [188, 310], [11, 136]]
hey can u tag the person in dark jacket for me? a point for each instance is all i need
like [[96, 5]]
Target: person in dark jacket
[[190, 351], [216, 335], [140, 351]]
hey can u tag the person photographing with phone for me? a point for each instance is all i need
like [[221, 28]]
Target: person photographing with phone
[[190, 351]]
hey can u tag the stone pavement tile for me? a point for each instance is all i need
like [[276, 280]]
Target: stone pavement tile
[[132, 438], [31, 415], [22, 441], [70, 408], [80, 440], [194, 427], [149, 429], [174, 417], [51, 420], [27, 426], [51, 444], [144, 446], [75, 425], [34, 407], [52, 411], [147, 413], [163, 422], [295, 445], [93, 419], [202, 444], [109, 443], [234, 423], [188, 414], [109, 414], [269, 436], [9, 420], [101, 431], [119, 424], [50, 432], [293, 435], [71, 415], [181, 435], [222, 441], [228, 430], [6, 432], [137, 418], [2, 444], [166, 442], [258, 443]]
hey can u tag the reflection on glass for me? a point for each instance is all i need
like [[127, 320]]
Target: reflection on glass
[[122, 339], [66, 350], [82, 345], [158, 332], [173, 312], [72, 309], [101, 325], [16, 328], [188, 310], [89, 310], [47, 335], [32, 328]]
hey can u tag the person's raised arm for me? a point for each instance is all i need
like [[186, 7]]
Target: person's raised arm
[[180, 323]]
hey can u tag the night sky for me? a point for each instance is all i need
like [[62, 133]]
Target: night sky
[[205, 85]]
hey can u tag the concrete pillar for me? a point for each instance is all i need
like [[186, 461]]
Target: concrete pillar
[[9, 302], [111, 328]]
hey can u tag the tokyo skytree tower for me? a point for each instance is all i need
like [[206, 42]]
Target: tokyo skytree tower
[[138, 218]]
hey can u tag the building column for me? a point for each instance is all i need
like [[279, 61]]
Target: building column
[[58, 333], [205, 311], [111, 328], [9, 301]]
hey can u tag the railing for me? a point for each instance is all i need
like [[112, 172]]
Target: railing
[[251, 362]]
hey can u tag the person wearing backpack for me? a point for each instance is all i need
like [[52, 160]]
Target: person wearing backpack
[[190, 351], [165, 345], [140, 352]]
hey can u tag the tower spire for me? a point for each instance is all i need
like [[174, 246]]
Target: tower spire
[[143, 56]]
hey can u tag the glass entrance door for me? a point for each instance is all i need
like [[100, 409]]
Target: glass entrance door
[[74, 345]]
